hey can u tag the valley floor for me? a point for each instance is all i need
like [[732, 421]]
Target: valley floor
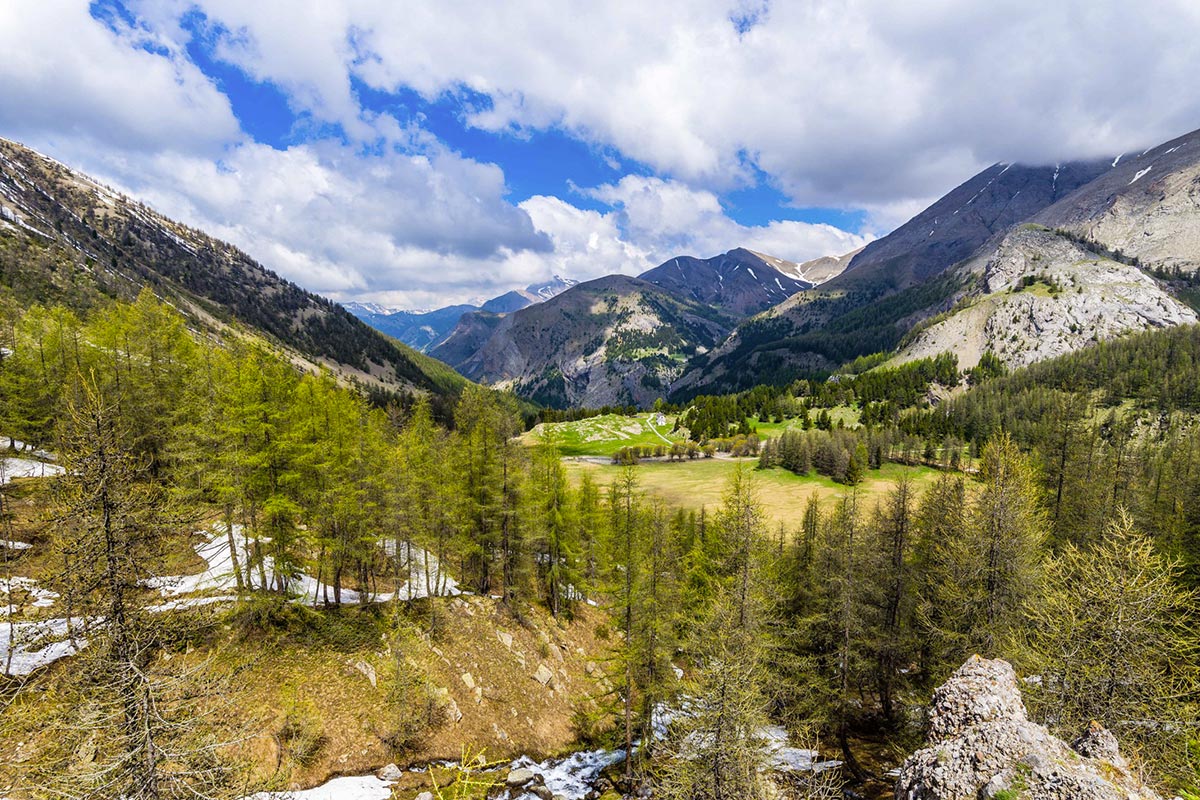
[[702, 483]]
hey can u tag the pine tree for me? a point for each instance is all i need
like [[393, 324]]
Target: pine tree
[[980, 579], [140, 719]]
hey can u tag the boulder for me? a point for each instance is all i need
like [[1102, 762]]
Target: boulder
[[390, 773], [368, 671], [519, 777], [983, 745], [424, 796]]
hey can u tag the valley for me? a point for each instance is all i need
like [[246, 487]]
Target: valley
[[737, 521]]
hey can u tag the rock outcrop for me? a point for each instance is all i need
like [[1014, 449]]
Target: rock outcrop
[[1041, 294], [982, 744]]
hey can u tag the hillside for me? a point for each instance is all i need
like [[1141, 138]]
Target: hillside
[[610, 341], [622, 340], [1077, 230], [1101, 262], [66, 238]]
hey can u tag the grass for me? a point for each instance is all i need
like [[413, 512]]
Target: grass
[[694, 485], [847, 415], [605, 435]]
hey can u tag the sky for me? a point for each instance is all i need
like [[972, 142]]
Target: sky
[[415, 154]]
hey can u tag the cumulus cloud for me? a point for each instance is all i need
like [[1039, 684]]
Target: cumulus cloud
[[668, 218], [341, 222], [864, 104], [65, 74], [849, 103]]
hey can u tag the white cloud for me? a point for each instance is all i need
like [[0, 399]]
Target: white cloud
[[64, 75], [864, 104], [340, 222], [667, 218], [847, 103]]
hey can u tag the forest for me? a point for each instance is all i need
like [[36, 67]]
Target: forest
[[1063, 537]]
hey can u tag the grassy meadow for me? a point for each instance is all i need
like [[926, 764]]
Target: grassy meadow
[[605, 435], [702, 484]]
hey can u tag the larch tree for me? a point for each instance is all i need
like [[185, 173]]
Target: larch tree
[[139, 718], [1111, 639], [716, 746]]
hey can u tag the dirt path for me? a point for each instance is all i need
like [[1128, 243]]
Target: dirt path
[[656, 432]]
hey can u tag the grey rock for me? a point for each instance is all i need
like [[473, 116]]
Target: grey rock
[[389, 773], [520, 777], [1098, 742], [544, 676], [983, 745]]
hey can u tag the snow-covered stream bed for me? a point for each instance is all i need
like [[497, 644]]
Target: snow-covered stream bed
[[571, 777]]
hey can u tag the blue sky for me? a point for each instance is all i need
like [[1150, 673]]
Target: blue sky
[[535, 162], [421, 154]]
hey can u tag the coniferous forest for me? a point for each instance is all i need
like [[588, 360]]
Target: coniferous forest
[[1059, 530]]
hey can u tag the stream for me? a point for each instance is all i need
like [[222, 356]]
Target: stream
[[570, 777]]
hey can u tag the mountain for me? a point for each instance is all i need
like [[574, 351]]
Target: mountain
[[424, 329], [1098, 263], [1026, 261], [740, 282], [66, 238], [417, 329], [621, 340], [613, 340]]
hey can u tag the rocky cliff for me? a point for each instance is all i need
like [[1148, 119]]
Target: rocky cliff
[[1041, 294], [982, 744]]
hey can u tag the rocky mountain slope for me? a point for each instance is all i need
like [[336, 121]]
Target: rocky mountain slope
[[614, 340], [66, 238], [1096, 264], [1041, 294], [964, 274], [901, 275], [623, 340], [982, 744], [740, 282]]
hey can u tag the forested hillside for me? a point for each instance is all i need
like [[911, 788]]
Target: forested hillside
[[65, 238], [837, 626]]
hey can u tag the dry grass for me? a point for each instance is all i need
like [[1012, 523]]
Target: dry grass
[[702, 484]]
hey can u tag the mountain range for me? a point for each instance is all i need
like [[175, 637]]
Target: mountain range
[[423, 330], [1024, 261], [621, 340]]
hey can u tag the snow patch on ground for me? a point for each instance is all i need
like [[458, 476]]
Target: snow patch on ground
[[366, 787], [27, 468], [11, 545], [425, 576], [33, 645], [785, 758], [1140, 173], [42, 598]]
